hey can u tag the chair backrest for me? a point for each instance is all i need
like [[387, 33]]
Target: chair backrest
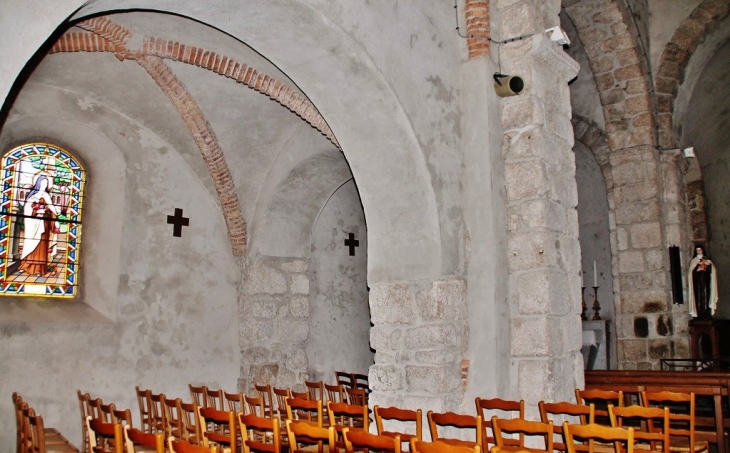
[[105, 436], [280, 395], [489, 407], [524, 428], [654, 423], [439, 446], [174, 424], [145, 409], [264, 391], [215, 398], [315, 390], [158, 412], [402, 416], [136, 438], [438, 420], [219, 427], [254, 405], [557, 412], [356, 396], [123, 417], [344, 379], [601, 399], [259, 434], [681, 413], [348, 415], [106, 411], [360, 381], [191, 422], [301, 409], [360, 439], [197, 393], [592, 432], [335, 393], [84, 399], [183, 446], [302, 432], [235, 402], [301, 395]]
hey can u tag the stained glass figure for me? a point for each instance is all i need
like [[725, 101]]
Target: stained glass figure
[[40, 221]]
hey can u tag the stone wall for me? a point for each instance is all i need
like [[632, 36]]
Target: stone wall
[[420, 334], [273, 316]]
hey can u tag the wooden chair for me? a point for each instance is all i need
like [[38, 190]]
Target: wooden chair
[[264, 391], [592, 432], [183, 446], [601, 399], [254, 405], [356, 397], [682, 434], [197, 393], [650, 436], [219, 427], [259, 434], [524, 428], [280, 396], [363, 440], [174, 418], [304, 411], [84, 402], [215, 399], [504, 409], [145, 409], [301, 395], [346, 416], [577, 412], [335, 393], [23, 429], [235, 402], [400, 416], [134, 438], [123, 417], [439, 446], [300, 432], [38, 439], [343, 379], [436, 420], [193, 433], [315, 390], [105, 437], [158, 412], [360, 381]]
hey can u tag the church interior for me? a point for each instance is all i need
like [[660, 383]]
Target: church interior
[[334, 185]]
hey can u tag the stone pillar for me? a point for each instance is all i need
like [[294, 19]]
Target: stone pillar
[[542, 222], [419, 334], [274, 320]]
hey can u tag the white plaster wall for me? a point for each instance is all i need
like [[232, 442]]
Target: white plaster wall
[[171, 301], [339, 315]]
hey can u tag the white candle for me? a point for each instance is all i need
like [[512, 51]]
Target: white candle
[[595, 274]]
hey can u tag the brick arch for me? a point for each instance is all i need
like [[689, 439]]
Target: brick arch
[[620, 69], [675, 57]]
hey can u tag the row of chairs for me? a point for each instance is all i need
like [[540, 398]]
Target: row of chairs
[[31, 434]]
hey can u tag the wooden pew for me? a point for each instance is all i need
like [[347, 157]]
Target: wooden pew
[[706, 385]]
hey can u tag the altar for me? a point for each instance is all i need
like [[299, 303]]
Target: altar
[[596, 341]]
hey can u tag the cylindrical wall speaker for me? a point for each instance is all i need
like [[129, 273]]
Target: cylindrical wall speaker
[[509, 85], [675, 269]]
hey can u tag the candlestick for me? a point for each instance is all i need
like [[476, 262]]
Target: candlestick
[[595, 274], [596, 304]]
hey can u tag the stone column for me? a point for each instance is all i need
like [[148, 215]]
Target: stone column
[[419, 334], [274, 320], [542, 222]]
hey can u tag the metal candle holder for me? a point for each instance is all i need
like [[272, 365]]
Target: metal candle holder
[[596, 304]]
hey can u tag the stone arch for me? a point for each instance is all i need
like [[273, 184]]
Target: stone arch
[[404, 237], [620, 69], [675, 58]]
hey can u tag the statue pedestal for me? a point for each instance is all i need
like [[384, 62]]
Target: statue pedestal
[[709, 338]]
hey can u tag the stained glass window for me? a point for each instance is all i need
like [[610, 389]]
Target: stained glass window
[[40, 221]]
